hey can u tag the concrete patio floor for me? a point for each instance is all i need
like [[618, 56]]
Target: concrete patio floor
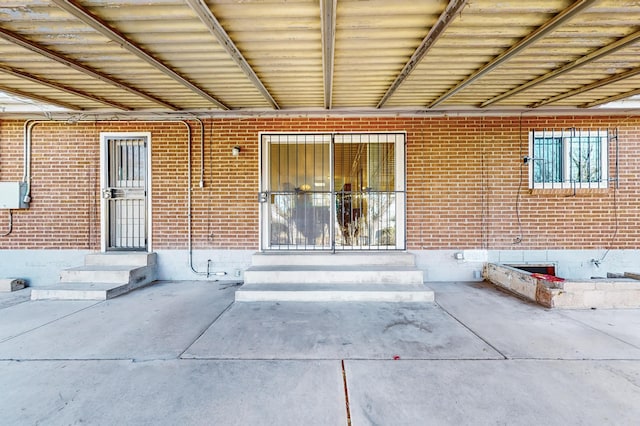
[[185, 353]]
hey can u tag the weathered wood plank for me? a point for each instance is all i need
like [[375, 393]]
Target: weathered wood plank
[[634, 275]]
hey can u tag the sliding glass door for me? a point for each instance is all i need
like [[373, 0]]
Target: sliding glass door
[[339, 191]]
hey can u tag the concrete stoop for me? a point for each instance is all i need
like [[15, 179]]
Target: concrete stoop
[[567, 294], [324, 277], [595, 293], [11, 284], [103, 276]]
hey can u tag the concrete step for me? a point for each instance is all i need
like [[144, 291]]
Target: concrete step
[[121, 258], [104, 276], [342, 292], [115, 274], [333, 274], [379, 258], [82, 291]]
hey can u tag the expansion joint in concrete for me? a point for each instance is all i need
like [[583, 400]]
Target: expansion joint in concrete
[[471, 331], [205, 330], [346, 393], [49, 322], [600, 331]]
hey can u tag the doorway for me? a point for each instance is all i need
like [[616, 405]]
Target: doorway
[[125, 159], [339, 191]]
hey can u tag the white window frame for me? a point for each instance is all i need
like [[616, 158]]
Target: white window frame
[[566, 136]]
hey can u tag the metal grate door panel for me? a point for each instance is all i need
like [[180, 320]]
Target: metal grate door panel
[[333, 191], [127, 193]]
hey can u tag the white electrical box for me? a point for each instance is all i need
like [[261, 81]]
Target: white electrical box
[[12, 195]]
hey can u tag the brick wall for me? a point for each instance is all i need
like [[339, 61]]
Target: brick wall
[[463, 181]]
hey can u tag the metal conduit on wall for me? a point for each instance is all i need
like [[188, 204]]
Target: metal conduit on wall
[[207, 273], [26, 172], [26, 176]]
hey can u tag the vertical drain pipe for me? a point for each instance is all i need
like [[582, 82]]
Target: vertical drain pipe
[[26, 169], [26, 173], [201, 183], [26, 178], [208, 273]]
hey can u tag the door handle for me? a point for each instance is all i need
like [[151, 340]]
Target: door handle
[[107, 193]]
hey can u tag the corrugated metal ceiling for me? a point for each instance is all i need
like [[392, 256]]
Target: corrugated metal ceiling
[[342, 55]]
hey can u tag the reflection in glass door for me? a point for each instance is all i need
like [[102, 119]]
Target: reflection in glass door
[[366, 191], [332, 191]]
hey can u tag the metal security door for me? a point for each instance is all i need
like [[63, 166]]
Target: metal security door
[[296, 198], [124, 192], [369, 191]]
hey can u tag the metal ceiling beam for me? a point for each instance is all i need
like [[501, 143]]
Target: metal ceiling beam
[[595, 55], [328, 22], [432, 36], [611, 99], [54, 85], [54, 56], [533, 37], [38, 98], [103, 28], [596, 84], [211, 22]]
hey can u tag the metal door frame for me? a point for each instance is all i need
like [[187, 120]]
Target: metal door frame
[[104, 176], [400, 175]]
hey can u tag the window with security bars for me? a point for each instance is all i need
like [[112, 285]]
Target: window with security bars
[[568, 159]]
